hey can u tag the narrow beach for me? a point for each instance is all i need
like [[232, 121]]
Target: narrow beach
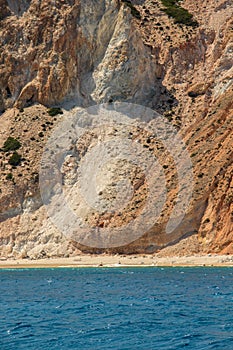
[[120, 260]]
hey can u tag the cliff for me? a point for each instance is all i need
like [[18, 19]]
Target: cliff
[[79, 53]]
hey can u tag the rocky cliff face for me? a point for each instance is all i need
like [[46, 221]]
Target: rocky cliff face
[[77, 53]]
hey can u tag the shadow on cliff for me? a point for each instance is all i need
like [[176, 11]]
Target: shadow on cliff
[[18, 7]]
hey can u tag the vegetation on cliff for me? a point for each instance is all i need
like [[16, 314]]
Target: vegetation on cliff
[[178, 13], [15, 159], [11, 144]]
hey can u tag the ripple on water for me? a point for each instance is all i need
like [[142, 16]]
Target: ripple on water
[[120, 308]]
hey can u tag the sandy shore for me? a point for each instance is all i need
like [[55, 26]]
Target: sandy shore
[[120, 260]]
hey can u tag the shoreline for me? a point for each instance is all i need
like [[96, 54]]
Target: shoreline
[[83, 261]]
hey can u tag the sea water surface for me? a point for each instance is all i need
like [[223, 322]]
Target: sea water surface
[[116, 308]]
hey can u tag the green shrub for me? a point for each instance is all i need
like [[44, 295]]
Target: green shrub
[[15, 159], [178, 13], [54, 111], [11, 144], [9, 176], [169, 3]]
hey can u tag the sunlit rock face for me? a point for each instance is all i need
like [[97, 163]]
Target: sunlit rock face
[[80, 53]]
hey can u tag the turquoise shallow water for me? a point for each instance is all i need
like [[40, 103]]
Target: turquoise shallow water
[[116, 308]]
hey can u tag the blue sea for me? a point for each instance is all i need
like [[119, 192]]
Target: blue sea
[[116, 308]]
